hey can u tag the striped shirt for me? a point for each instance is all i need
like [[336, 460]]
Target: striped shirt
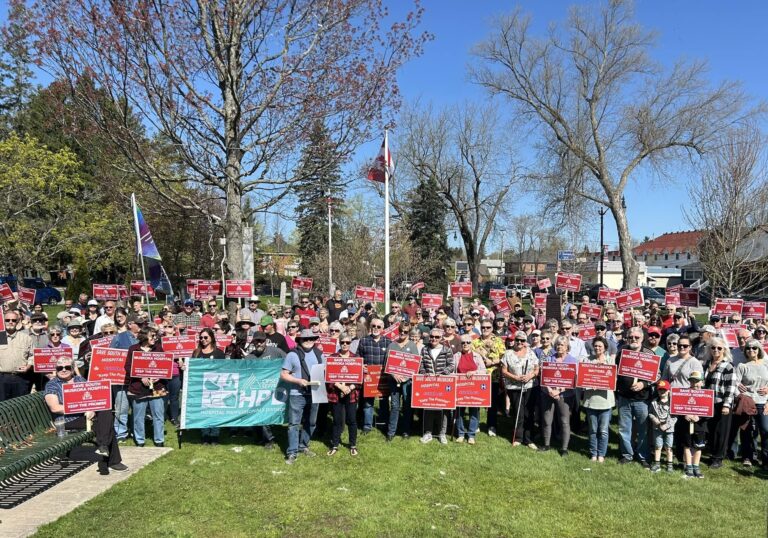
[[721, 381]]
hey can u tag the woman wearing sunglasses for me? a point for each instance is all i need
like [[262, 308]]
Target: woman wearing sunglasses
[[751, 379], [343, 399], [206, 349], [718, 376], [147, 392], [102, 427]]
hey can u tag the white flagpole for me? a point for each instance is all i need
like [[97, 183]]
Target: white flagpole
[[138, 250], [386, 223]]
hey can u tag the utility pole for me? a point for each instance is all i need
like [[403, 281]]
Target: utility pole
[[330, 247], [602, 213]]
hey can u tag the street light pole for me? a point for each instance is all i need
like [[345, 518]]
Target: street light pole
[[330, 248], [602, 213]]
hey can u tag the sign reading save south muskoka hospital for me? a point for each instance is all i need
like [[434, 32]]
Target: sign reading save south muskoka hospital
[[233, 393]]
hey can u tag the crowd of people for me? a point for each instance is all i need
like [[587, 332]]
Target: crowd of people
[[459, 339]]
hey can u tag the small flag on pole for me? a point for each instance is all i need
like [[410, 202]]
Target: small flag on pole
[[381, 166]]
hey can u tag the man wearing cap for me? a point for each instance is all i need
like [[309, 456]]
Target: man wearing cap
[[15, 358], [706, 333], [63, 319], [187, 317], [411, 309], [335, 306], [373, 350], [679, 327], [253, 312], [653, 339], [302, 413], [273, 338], [107, 317], [102, 426], [306, 311], [633, 395], [126, 339]]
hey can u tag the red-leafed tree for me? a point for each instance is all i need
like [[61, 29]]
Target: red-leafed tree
[[231, 86]]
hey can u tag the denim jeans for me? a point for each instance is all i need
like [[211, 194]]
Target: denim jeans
[[400, 399], [302, 415], [758, 424], [121, 413], [633, 413], [474, 421], [368, 412], [599, 420], [174, 388], [157, 409]]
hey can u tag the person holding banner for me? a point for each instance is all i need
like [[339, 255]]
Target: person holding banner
[[751, 379], [147, 392], [436, 359], [302, 413], [207, 349], [693, 434], [633, 406], [599, 404], [718, 376], [679, 368], [343, 398], [519, 369], [558, 401], [400, 386], [102, 426], [468, 363]]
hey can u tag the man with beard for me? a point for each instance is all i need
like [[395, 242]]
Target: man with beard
[[15, 359], [633, 395]]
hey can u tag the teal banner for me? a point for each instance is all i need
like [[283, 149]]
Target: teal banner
[[233, 392]]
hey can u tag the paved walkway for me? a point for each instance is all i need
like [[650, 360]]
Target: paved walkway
[[61, 499]]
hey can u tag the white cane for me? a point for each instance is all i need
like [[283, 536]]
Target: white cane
[[519, 402]]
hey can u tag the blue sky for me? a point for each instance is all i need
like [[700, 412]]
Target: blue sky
[[728, 35]]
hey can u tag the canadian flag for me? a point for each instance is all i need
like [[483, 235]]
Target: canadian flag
[[382, 166]]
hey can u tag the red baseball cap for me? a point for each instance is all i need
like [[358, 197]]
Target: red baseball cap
[[654, 330], [662, 385]]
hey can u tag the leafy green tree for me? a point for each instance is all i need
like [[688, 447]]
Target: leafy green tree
[[15, 72], [320, 166]]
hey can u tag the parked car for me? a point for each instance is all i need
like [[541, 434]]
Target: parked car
[[522, 291], [44, 292], [650, 294]]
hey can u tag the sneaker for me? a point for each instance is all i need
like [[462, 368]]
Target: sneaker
[[443, 440], [516, 443], [426, 438], [122, 441], [563, 452], [471, 441], [593, 458], [491, 432], [140, 445], [406, 437], [624, 461], [688, 474], [670, 467], [308, 453], [532, 446], [747, 463], [102, 450], [656, 467], [459, 439], [269, 445], [104, 472], [644, 464], [353, 451], [119, 467], [601, 459], [290, 460], [389, 438], [159, 445], [716, 464], [697, 473], [333, 451], [543, 448]]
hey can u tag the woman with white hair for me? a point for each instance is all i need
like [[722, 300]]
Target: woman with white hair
[[751, 380], [718, 372], [558, 401]]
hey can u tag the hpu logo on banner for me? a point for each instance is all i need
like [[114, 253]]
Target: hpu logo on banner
[[220, 390]]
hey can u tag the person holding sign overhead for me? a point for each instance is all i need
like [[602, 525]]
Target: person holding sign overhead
[[105, 433], [436, 359], [558, 401]]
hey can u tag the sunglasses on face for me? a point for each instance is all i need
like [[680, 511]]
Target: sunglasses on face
[[108, 333], [432, 337], [465, 343], [11, 320], [335, 331], [671, 343], [684, 346], [204, 338], [63, 368], [55, 334], [520, 341], [718, 348], [546, 338], [487, 327], [751, 348], [377, 326], [345, 342]]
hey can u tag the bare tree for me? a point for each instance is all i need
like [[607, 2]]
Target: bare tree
[[231, 86], [602, 107], [730, 204], [461, 149]]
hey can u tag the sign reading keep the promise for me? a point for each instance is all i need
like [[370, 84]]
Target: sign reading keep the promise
[[640, 365], [343, 369], [84, 396], [402, 364]]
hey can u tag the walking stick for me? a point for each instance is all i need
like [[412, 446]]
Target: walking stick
[[519, 403]]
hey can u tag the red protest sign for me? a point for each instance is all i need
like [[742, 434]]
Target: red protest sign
[[402, 364], [728, 307], [627, 299], [461, 289], [301, 283], [223, 341], [592, 310], [108, 364], [697, 402], [327, 345], [208, 288], [729, 335], [626, 318], [544, 283], [238, 289], [672, 297], [765, 346], [103, 341], [106, 292], [392, 332], [587, 331], [417, 286], [540, 301], [431, 300], [192, 286], [151, 364], [6, 293], [689, 297], [375, 385], [607, 295], [496, 295], [27, 295], [122, 291], [529, 280], [378, 295], [142, 287], [558, 375], [676, 287], [363, 293], [180, 347], [433, 392], [596, 376], [343, 369], [86, 396], [568, 281], [639, 364], [754, 310], [474, 391], [45, 357]]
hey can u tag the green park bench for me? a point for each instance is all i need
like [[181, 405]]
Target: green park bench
[[27, 435]]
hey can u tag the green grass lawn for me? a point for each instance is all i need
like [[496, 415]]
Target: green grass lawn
[[409, 489]]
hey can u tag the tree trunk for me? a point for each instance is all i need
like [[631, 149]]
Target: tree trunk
[[629, 266]]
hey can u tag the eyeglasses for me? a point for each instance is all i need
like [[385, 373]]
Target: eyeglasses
[[55, 333], [38, 321], [671, 344], [470, 324], [566, 328], [293, 326], [520, 341], [684, 346], [377, 326], [109, 308], [108, 333], [204, 338], [62, 368], [335, 330], [719, 348], [11, 320], [546, 338], [211, 306], [487, 327], [433, 337], [465, 343], [751, 348]]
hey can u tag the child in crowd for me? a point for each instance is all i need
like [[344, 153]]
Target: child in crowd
[[694, 435], [663, 427]]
